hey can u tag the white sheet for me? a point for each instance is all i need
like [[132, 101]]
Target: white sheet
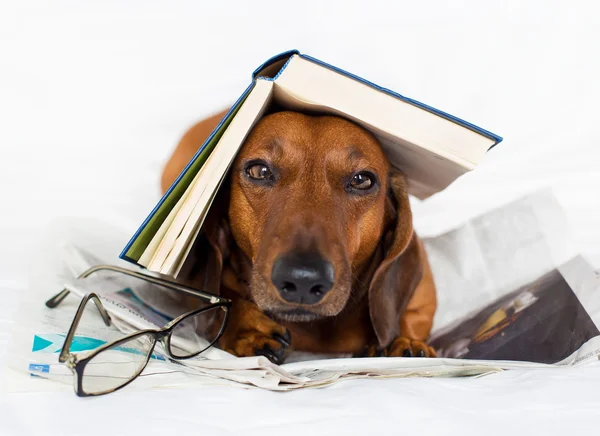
[[94, 96]]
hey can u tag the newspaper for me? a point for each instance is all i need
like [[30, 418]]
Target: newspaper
[[542, 320]]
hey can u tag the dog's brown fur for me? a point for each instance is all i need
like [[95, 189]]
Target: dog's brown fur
[[383, 299]]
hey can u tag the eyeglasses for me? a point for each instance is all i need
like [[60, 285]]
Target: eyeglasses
[[115, 364]]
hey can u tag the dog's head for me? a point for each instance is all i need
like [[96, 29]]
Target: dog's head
[[315, 206]]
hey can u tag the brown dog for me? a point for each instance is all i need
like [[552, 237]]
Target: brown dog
[[312, 239]]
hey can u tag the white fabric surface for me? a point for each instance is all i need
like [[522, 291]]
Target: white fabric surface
[[93, 97]]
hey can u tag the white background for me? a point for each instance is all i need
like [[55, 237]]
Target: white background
[[94, 96]]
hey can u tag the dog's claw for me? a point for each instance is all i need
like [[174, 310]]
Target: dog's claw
[[404, 347], [257, 336], [401, 347], [274, 346], [371, 351], [273, 356], [286, 339], [276, 355]]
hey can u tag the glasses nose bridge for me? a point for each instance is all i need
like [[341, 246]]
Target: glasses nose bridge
[[162, 337]]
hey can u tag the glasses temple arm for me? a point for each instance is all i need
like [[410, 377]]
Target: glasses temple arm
[[58, 298], [64, 353]]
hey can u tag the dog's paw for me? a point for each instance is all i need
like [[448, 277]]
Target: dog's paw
[[404, 347], [272, 341], [400, 347]]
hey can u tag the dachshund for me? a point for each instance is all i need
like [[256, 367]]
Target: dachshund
[[311, 237]]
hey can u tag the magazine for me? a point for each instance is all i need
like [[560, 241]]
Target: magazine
[[543, 321]]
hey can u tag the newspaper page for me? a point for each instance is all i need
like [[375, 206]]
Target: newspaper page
[[543, 321], [497, 312]]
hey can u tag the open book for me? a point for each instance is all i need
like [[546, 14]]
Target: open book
[[431, 147]]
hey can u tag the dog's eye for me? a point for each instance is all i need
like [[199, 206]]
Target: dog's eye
[[259, 172], [362, 181]]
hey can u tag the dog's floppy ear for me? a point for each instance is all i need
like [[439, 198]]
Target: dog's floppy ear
[[204, 266], [401, 269]]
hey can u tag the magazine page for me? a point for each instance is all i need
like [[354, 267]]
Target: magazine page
[[543, 321]]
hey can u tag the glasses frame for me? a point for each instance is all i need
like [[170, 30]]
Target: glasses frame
[[58, 298], [76, 362]]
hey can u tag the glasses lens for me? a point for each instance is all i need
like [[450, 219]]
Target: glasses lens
[[115, 366], [197, 332]]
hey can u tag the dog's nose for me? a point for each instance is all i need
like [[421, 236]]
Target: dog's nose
[[302, 278]]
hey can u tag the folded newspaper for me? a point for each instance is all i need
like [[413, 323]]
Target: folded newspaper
[[496, 312]]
